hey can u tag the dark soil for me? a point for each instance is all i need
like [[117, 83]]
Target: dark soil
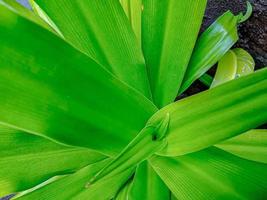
[[253, 33]]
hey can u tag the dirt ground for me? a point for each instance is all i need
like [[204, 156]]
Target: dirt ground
[[253, 33]]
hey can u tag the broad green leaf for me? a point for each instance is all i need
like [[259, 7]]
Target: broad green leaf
[[245, 62], [74, 186], [212, 116], [27, 160], [133, 10], [210, 47], [147, 185], [169, 33], [110, 41], [212, 174], [251, 145], [226, 70], [50, 89]]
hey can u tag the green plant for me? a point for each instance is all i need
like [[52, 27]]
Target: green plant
[[86, 103]]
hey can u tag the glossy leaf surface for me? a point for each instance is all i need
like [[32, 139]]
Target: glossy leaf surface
[[144, 145], [212, 174], [101, 30], [241, 104], [27, 160], [50, 89], [169, 33]]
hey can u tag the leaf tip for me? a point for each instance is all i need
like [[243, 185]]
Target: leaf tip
[[242, 17]]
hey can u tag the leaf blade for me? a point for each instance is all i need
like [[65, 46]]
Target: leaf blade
[[44, 93], [210, 47], [133, 10], [239, 103], [167, 25], [109, 41], [27, 160]]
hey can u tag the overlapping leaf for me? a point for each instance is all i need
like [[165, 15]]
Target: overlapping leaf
[[212, 45], [169, 32], [75, 186], [212, 174], [200, 121], [50, 89], [101, 30], [27, 160], [133, 10]]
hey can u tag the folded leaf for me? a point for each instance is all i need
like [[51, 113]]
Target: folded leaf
[[251, 145], [245, 62], [206, 79], [210, 47], [50, 89], [110, 41], [74, 186], [226, 70], [212, 116], [169, 33], [212, 174], [27, 160], [235, 63], [147, 185], [144, 145]]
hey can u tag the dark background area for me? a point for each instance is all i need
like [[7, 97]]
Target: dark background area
[[253, 33]]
